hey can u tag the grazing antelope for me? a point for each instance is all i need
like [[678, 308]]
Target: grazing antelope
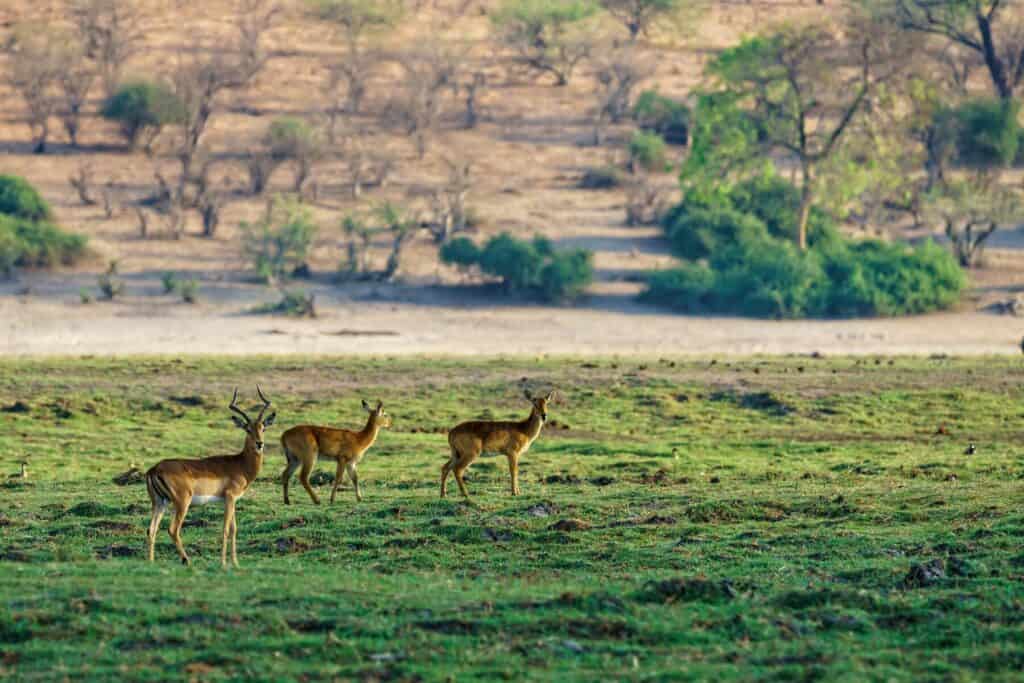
[[206, 480], [305, 443], [470, 439]]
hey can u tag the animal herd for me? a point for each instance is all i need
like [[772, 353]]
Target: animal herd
[[181, 483]]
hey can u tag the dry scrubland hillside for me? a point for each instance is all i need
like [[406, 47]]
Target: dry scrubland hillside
[[528, 152]]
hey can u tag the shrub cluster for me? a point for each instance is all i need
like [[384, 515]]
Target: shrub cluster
[[666, 117], [278, 245], [28, 238], [533, 267], [985, 132], [743, 259], [142, 109]]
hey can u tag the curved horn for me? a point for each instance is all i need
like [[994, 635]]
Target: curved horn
[[266, 403], [236, 409]]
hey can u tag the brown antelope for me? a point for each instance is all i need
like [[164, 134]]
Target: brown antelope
[[305, 443], [470, 439], [207, 480]]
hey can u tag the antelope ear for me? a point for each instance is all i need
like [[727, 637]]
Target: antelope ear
[[366, 406], [270, 420], [551, 394], [239, 422], [380, 405]]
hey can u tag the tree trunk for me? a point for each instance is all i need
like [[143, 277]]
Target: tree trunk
[[995, 64], [805, 211]]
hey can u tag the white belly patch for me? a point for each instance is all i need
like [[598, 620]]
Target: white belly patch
[[202, 500]]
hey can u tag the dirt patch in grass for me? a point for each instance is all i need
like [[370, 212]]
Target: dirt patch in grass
[[288, 545], [570, 524], [688, 590], [117, 550], [451, 626]]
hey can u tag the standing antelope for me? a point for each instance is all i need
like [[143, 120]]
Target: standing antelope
[[305, 443], [218, 478], [470, 439]]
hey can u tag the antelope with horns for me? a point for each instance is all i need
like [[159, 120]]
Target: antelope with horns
[[219, 478], [305, 443], [470, 439]]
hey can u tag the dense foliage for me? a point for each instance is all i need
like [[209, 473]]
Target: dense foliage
[[142, 109], [27, 237], [532, 267], [18, 198], [662, 115], [743, 260]]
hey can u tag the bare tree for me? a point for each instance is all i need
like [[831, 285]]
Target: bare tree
[[355, 20], [81, 182], [112, 33], [417, 110], [473, 86], [449, 202], [366, 165], [548, 37], [644, 200], [204, 75], [75, 80], [618, 74], [639, 15], [992, 29], [37, 57], [970, 210]]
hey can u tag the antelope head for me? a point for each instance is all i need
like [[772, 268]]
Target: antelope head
[[253, 428], [377, 415], [539, 403]]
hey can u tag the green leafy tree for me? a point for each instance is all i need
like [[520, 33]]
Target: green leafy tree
[[142, 109], [797, 92]]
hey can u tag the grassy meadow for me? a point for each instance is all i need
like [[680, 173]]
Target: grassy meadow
[[778, 519]]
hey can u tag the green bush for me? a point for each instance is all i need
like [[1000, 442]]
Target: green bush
[[647, 150], [296, 303], [143, 107], [700, 232], [987, 131], [874, 278], [36, 244], [19, 198], [461, 252], [532, 267], [565, 276], [776, 202], [664, 116], [279, 243], [753, 267]]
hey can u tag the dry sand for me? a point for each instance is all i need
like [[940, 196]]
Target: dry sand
[[42, 328]]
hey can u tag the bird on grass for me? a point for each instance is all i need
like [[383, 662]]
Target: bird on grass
[[23, 473], [970, 450]]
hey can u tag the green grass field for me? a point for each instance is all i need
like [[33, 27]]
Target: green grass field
[[780, 519]]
